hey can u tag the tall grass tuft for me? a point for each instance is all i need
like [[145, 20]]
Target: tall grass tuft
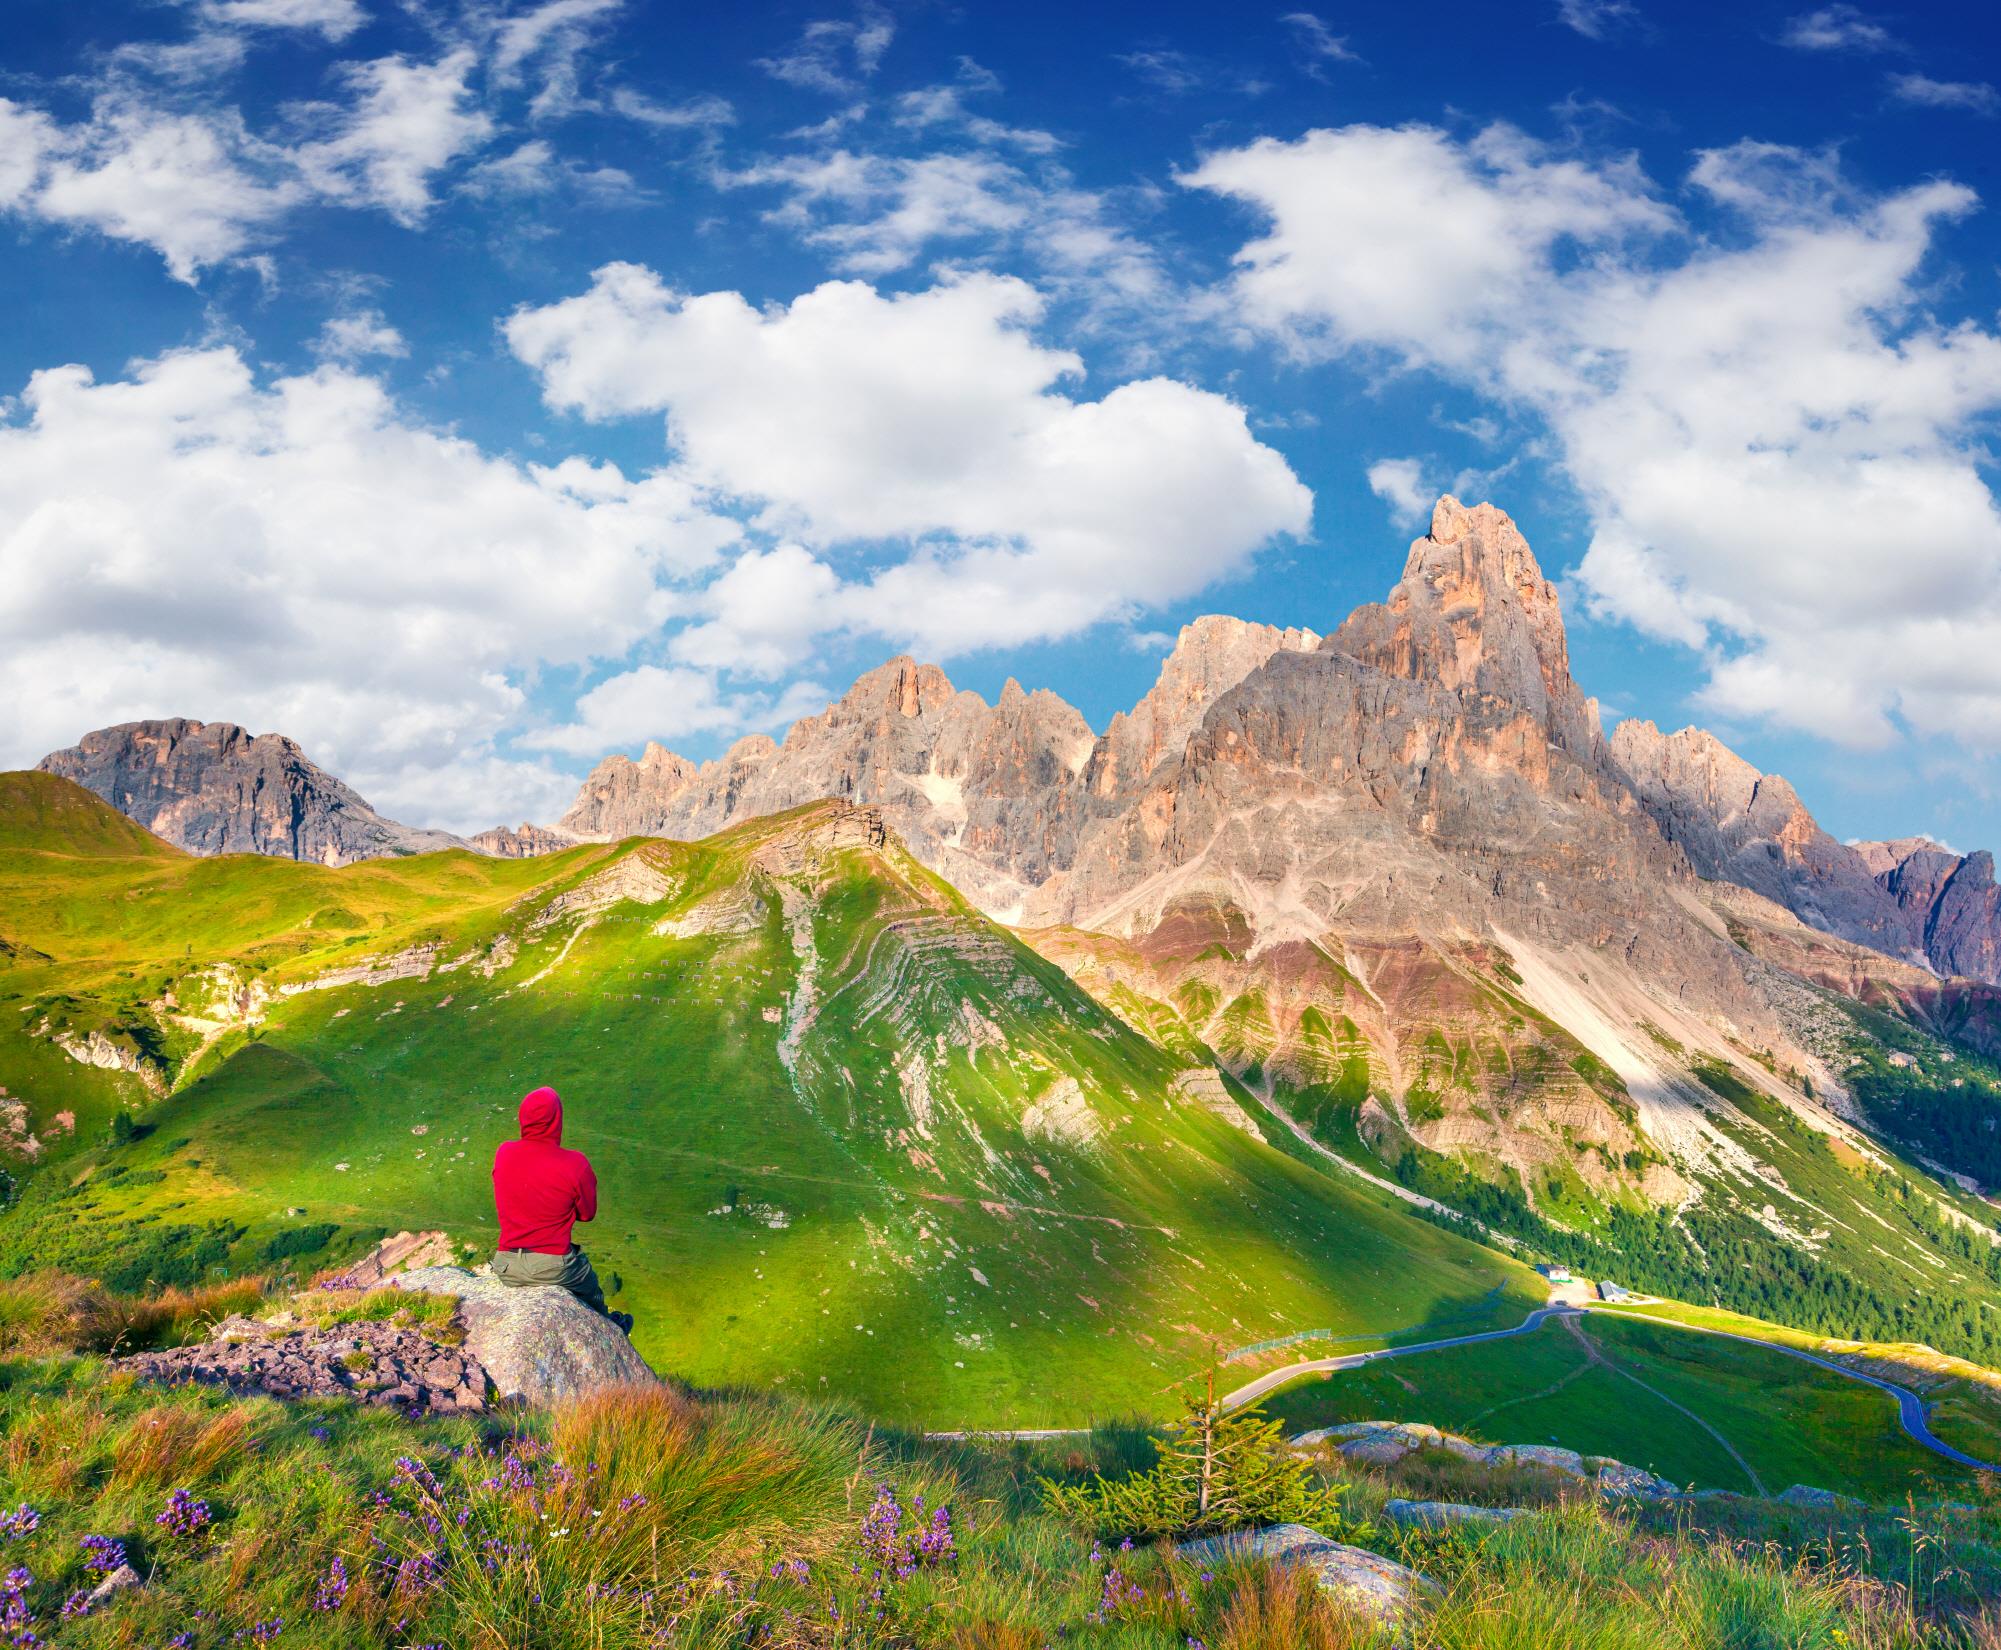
[[47, 1312]]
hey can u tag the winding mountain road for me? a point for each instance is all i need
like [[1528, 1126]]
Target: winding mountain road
[[1910, 1407], [1251, 1391]]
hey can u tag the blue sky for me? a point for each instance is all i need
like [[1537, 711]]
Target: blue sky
[[472, 388]]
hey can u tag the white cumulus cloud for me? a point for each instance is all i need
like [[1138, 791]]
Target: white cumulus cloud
[[407, 122], [196, 188], [334, 19], [1399, 483], [933, 421], [666, 703], [303, 555], [1973, 97], [1838, 28], [1778, 445]]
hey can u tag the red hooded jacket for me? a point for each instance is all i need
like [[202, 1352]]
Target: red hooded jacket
[[540, 1189]]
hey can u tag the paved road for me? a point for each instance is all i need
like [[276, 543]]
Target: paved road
[[1910, 1407], [1251, 1391]]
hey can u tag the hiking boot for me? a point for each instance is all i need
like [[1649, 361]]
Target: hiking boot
[[622, 1319]]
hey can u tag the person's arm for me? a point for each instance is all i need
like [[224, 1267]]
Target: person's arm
[[587, 1193]]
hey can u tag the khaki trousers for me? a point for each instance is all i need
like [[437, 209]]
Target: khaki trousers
[[525, 1268]]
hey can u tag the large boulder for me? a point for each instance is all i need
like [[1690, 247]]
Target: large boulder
[[1384, 1443], [538, 1345], [1368, 1583], [1439, 1515]]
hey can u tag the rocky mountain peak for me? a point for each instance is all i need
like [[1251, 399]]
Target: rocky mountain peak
[[1694, 763], [213, 788], [1474, 614], [1211, 656], [1882, 858], [901, 685]]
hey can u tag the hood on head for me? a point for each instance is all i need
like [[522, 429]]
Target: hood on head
[[541, 1116]]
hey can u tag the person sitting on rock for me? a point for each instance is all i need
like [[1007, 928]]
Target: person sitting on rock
[[540, 1190]]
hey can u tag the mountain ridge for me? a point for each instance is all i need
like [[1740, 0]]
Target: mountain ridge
[[214, 788], [1008, 799]]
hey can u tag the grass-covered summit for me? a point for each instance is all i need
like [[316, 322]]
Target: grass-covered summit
[[854, 1138]]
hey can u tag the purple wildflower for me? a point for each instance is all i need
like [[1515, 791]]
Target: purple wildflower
[[14, 1610], [418, 1572], [23, 1520], [107, 1553], [331, 1593], [185, 1515], [1117, 1595]]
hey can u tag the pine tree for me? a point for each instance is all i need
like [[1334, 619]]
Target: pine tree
[[1218, 1470]]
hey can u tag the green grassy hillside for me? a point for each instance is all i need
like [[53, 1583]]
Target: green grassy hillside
[[853, 1139]]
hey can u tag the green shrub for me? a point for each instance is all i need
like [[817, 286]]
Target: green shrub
[[300, 1240], [1216, 1471]]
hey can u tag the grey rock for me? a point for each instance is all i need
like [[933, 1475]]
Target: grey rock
[[1806, 1495], [1377, 1449], [1439, 1515], [374, 1363], [124, 1579], [212, 788], [1366, 1582], [1384, 1443], [1550, 1457], [537, 1345]]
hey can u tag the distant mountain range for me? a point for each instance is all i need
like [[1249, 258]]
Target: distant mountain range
[[1038, 819]]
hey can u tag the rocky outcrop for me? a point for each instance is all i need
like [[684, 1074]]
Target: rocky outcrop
[[1211, 656], [537, 1345], [373, 1363], [975, 790], [1806, 1495], [211, 788], [1952, 900], [404, 1252], [1373, 1586], [993, 797], [1385, 1443]]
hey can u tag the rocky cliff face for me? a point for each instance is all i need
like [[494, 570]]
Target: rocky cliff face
[[1909, 899], [992, 796], [211, 788]]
